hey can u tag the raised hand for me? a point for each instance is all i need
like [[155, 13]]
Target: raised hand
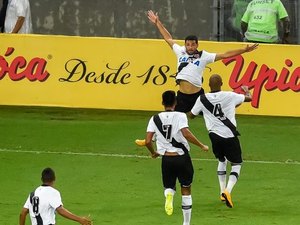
[[250, 48], [245, 88], [153, 17]]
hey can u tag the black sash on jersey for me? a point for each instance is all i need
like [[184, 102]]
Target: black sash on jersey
[[196, 55], [38, 217], [210, 107], [174, 143]]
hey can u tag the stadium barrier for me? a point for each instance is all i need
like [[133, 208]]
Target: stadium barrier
[[120, 73]]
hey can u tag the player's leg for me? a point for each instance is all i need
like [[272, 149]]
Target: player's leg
[[185, 177], [185, 102], [217, 146], [234, 155], [221, 171], [169, 182], [142, 142], [186, 204], [234, 175]]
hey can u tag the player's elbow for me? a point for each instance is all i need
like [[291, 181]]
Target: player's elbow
[[191, 115]]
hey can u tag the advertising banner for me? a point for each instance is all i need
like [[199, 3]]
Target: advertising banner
[[118, 73]]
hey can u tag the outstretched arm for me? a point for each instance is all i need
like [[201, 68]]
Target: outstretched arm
[[67, 214], [192, 139], [153, 17], [248, 48]]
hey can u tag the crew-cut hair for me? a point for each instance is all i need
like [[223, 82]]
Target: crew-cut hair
[[48, 175], [191, 38], [169, 98]]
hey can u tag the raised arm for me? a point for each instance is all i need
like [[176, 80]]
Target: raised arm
[[153, 17], [231, 53], [248, 96]]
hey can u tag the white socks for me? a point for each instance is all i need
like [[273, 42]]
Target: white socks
[[233, 177], [186, 205], [186, 209], [169, 190], [222, 175]]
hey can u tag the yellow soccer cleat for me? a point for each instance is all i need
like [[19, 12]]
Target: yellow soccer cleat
[[228, 200], [140, 142], [222, 198], [169, 204]]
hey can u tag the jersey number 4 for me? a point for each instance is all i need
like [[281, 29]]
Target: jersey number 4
[[218, 112]]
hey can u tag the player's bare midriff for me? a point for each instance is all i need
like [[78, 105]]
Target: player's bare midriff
[[188, 88]]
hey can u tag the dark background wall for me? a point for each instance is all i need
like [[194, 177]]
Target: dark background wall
[[121, 18], [127, 18]]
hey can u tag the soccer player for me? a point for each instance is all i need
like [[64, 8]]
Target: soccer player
[[218, 109], [42, 204], [172, 137], [191, 64]]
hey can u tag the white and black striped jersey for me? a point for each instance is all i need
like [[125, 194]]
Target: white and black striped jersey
[[172, 123], [194, 65], [42, 204], [224, 103]]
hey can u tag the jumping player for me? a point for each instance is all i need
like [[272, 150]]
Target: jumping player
[[191, 64]]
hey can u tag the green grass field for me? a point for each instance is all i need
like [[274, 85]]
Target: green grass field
[[101, 172]]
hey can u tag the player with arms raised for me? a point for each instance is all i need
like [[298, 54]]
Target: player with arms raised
[[190, 65]]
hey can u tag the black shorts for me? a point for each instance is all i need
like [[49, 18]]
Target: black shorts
[[185, 102], [226, 147], [174, 167]]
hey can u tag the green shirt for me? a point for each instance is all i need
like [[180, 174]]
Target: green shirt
[[262, 17], [238, 9]]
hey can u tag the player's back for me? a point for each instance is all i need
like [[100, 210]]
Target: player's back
[[172, 123], [43, 203]]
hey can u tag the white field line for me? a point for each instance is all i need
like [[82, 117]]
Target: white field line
[[287, 162]]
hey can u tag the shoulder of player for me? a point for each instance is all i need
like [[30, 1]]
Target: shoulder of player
[[50, 189], [170, 113]]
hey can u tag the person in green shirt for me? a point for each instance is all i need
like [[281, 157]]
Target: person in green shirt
[[234, 21], [261, 19]]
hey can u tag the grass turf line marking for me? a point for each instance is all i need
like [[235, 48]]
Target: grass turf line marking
[[287, 162]]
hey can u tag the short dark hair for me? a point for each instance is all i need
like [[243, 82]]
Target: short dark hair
[[191, 38], [169, 98], [48, 175]]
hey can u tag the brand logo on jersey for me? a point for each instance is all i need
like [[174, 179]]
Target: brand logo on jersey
[[191, 59], [266, 77]]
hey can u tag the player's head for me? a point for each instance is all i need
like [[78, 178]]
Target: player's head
[[191, 44], [48, 176], [215, 82], [169, 98]]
